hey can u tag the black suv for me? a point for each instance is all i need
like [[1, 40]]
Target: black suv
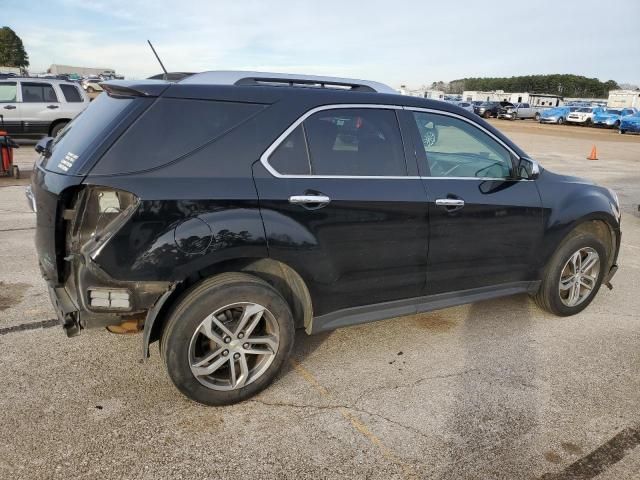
[[490, 109], [220, 213]]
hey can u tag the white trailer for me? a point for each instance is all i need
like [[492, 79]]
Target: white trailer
[[624, 99]]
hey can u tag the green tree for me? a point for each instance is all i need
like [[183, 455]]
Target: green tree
[[12, 52]]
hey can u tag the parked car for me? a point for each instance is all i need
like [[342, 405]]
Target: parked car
[[556, 114], [219, 213], [611, 117], [490, 109], [37, 107], [630, 123], [519, 111], [583, 115], [92, 84], [468, 106]]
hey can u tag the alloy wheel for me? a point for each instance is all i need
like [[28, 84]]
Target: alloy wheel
[[579, 276], [234, 346]]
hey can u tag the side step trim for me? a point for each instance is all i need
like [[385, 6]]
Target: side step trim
[[398, 308]]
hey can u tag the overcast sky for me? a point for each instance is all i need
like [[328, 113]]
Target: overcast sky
[[409, 42]]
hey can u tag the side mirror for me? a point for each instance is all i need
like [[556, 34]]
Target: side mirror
[[42, 147], [528, 169]]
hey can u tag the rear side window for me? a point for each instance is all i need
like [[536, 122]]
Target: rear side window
[[291, 156], [8, 92], [38, 93], [170, 129], [355, 142], [71, 93]]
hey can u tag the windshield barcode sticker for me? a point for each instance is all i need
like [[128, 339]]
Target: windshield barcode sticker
[[67, 162]]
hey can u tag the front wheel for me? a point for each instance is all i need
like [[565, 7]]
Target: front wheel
[[227, 339], [486, 114], [573, 276], [560, 121]]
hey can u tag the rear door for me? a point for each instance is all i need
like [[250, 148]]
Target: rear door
[[39, 108], [484, 224], [10, 108], [341, 206]]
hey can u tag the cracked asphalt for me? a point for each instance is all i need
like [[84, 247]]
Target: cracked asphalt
[[493, 390]]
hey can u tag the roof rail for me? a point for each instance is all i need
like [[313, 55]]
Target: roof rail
[[285, 79]]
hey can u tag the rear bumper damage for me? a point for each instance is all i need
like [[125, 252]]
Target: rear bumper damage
[[90, 298]]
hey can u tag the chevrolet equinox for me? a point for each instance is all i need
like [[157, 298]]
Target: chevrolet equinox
[[218, 214]]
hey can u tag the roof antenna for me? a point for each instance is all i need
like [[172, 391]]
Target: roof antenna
[[164, 76]]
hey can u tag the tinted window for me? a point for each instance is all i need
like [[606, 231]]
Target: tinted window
[[455, 148], [358, 142], [88, 127], [8, 92], [169, 129], [71, 93], [291, 157], [38, 93]]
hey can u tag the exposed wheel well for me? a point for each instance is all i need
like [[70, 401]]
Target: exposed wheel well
[[279, 275]]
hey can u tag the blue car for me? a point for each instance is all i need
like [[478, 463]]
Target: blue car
[[630, 123], [556, 114], [611, 117]]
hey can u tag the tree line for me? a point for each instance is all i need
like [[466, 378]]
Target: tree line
[[565, 85]]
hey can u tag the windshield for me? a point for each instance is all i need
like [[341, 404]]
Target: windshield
[[586, 110], [613, 112], [75, 140], [487, 104]]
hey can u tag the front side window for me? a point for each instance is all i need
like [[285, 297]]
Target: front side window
[[38, 93], [355, 142], [71, 93], [8, 92], [455, 148]]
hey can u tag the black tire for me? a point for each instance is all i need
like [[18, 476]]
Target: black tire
[[90, 89], [486, 114], [588, 122], [536, 117], [199, 302], [16, 172], [560, 121], [57, 127], [548, 296], [622, 132]]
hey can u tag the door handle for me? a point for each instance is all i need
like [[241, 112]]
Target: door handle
[[51, 107], [450, 203], [10, 107], [311, 200]]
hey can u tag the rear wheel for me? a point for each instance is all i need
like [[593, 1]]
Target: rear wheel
[[227, 339], [588, 122], [560, 121], [536, 117], [486, 114], [57, 127], [573, 276]]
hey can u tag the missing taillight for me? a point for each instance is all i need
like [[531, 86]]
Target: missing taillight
[[104, 211]]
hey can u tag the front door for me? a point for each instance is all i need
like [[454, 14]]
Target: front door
[[485, 223], [342, 207], [10, 108]]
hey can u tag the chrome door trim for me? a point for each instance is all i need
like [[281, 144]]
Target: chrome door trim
[[450, 202], [306, 199], [264, 158]]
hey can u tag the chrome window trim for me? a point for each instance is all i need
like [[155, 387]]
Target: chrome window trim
[[264, 158]]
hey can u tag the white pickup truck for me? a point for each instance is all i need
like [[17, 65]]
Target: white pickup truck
[[520, 111]]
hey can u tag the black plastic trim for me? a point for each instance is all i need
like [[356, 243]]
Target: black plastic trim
[[411, 306]]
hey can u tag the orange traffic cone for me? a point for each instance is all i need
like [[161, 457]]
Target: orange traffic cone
[[594, 154]]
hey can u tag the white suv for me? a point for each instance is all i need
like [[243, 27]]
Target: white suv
[[38, 107]]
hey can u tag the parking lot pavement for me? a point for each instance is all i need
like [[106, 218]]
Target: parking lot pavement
[[497, 389]]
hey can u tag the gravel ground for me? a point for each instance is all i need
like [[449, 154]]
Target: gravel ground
[[494, 390]]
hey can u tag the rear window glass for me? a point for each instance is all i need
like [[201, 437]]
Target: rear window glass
[[291, 158], [74, 142], [38, 93], [8, 92], [71, 93], [170, 129]]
